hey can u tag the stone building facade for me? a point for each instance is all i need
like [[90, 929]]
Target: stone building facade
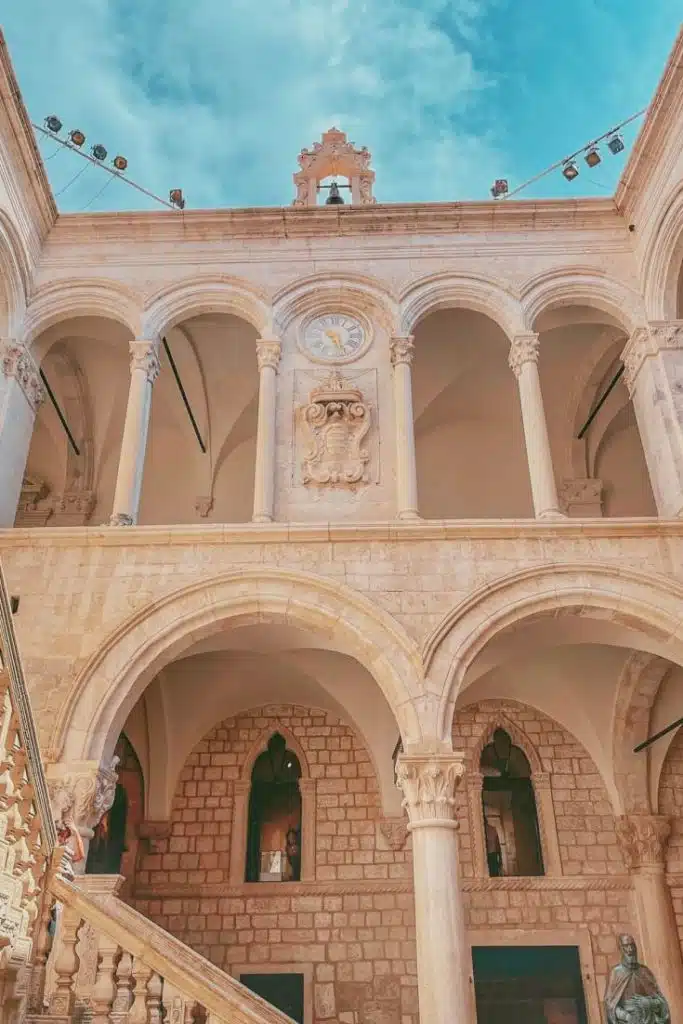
[[388, 569]]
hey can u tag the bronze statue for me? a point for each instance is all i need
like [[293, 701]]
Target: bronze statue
[[633, 995]]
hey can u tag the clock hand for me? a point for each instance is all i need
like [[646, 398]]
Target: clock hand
[[334, 338]]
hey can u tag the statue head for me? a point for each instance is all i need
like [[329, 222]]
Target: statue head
[[629, 950]]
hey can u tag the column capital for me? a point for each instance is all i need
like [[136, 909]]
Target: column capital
[[429, 782], [649, 340], [16, 361], [643, 839], [402, 350], [144, 356], [268, 352], [523, 349], [82, 793]]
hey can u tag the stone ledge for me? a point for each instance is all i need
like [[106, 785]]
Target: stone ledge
[[339, 533]]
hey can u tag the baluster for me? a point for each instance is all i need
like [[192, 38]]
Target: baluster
[[42, 945], [66, 965], [155, 988], [124, 984], [142, 974], [195, 1014], [105, 989]]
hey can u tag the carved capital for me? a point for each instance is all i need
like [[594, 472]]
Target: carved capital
[[82, 796], [268, 351], [121, 519], [395, 831], [643, 839], [17, 362], [646, 341], [524, 349], [144, 358], [401, 350], [429, 782]]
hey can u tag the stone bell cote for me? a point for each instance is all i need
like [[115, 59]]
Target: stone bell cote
[[334, 157]]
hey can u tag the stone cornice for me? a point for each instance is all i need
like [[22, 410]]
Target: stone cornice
[[24, 140], [342, 533], [272, 890], [573, 215]]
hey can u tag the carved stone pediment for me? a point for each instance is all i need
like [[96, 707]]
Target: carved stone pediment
[[335, 422]]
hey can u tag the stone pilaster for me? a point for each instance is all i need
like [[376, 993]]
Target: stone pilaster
[[653, 372], [406, 468], [523, 360], [429, 783], [21, 394], [643, 839], [268, 351], [144, 370]]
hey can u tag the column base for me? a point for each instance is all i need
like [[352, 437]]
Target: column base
[[121, 519], [551, 513], [409, 514], [262, 519]]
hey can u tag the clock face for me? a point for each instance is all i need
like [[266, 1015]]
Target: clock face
[[334, 338]]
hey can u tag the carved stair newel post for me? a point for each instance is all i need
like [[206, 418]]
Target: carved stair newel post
[[643, 839], [406, 467], [429, 782], [268, 352], [21, 395], [144, 370], [523, 361]]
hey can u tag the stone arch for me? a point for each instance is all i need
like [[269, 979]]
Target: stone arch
[[633, 600], [357, 294], [78, 297], [447, 290], [637, 688], [210, 293], [663, 259], [260, 744], [118, 672], [581, 286], [499, 720], [15, 276]]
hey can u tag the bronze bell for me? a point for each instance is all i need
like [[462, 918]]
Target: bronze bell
[[334, 198]]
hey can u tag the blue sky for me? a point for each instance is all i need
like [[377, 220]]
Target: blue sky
[[219, 96]]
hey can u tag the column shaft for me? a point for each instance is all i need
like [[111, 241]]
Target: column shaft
[[443, 955], [524, 364], [406, 469], [21, 394], [144, 369], [268, 355]]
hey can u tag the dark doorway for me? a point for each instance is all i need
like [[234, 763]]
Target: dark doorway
[[528, 985], [283, 991]]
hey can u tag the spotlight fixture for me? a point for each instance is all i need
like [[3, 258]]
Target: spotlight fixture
[[77, 137], [120, 163], [592, 156], [53, 124], [499, 188], [175, 197], [570, 170], [615, 144], [99, 152]]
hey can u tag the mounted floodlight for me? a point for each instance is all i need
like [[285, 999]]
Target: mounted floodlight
[[175, 197], [570, 170], [499, 188], [120, 163], [77, 137], [615, 144], [592, 156], [99, 152], [53, 124]]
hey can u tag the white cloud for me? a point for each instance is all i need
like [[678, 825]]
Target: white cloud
[[219, 97]]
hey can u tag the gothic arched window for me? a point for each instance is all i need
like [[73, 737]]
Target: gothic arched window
[[274, 829], [513, 841]]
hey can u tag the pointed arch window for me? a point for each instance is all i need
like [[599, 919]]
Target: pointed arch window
[[511, 827], [274, 823]]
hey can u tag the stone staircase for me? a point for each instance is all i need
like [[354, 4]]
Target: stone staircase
[[70, 949]]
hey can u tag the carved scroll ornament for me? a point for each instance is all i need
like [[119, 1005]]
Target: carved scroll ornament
[[336, 422]]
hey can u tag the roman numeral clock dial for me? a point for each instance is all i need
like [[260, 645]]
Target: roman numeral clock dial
[[334, 338]]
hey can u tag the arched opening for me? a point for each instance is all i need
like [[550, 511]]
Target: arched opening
[[513, 838], [469, 439], [207, 363], [679, 295], [113, 847], [597, 453], [274, 826]]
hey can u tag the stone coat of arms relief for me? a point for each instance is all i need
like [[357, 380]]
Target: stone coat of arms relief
[[335, 424]]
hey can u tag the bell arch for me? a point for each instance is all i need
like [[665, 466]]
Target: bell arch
[[629, 599], [117, 673], [211, 293], [577, 286], [461, 291]]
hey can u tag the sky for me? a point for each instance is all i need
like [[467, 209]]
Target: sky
[[218, 97]]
